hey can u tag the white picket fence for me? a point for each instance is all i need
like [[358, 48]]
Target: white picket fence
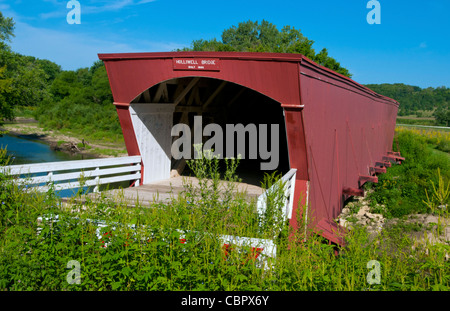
[[67, 174], [289, 181]]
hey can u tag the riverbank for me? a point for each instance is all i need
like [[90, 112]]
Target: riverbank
[[63, 141]]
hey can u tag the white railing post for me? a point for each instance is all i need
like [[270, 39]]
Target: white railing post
[[291, 196], [289, 180], [97, 180], [49, 176]]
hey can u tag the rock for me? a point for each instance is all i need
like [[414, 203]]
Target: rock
[[345, 211], [369, 215], [343, 222], [364, 209], [431, 219], [174, 173], [362, 222]]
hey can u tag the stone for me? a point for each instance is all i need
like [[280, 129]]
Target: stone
[[369, 215], [364, 209], [431, 219], [345, 211], [362, 222]]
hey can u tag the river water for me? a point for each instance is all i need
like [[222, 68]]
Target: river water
[[25, 151]]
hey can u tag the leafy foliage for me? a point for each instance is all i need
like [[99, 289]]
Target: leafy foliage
[[413, 99], [7, 26], [252, 36], [80, 101]]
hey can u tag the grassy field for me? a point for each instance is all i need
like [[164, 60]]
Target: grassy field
[[436, 138], [176, 247]]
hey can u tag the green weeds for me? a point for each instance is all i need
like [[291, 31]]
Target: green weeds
[[404, 188], [178, 246]]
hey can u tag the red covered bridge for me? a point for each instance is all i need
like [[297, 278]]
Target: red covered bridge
[[337, 133]]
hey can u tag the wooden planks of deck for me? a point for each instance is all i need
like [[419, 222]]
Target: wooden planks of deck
[[165, 190]]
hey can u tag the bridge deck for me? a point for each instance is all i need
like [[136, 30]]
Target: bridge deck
[[164, 190]]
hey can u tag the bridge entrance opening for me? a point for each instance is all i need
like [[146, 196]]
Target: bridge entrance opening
[[169, 118]]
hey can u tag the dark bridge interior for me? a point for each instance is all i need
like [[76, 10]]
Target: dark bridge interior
[[222, 103]]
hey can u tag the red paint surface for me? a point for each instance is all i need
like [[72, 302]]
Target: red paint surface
[[336, 128]]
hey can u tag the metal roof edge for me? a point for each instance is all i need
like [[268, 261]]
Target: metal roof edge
[[258, 56], [287, 57], [352, 84]]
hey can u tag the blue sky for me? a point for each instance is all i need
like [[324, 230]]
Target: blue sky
[[411, 45]]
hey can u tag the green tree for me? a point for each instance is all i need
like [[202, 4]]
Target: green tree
[[7, 26], [5, 89], [50, 68], [442, 117], [414, 99], [252, 36], [6, 32]]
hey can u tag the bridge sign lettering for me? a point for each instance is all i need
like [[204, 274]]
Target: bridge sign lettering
[[208, 64]]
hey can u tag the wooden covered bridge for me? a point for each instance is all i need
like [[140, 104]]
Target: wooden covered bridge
[[334, 134]]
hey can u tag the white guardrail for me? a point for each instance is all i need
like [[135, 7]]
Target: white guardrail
[[289, 180], [67, 174]]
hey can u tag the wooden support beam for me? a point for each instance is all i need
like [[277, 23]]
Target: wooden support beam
[[173, 81], [159, 92], [393, 159], [394, 153], [178, 90], [193, 96], [378, 170], [364, 179], [186, 90], [383, 164], [214, 94], [353, 191], [178, 168], [137, 99], [146, 95], [196, 109], [165, 94], [236, 97]]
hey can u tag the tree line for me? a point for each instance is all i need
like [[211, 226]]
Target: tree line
[[415, 100]]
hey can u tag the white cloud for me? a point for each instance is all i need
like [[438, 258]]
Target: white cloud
[[145, 1], [110, 6]]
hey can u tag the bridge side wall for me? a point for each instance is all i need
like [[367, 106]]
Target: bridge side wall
[[347, 129]]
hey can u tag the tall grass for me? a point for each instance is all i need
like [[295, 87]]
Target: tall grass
[[403, 189], [437, 138], [176, 246]]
